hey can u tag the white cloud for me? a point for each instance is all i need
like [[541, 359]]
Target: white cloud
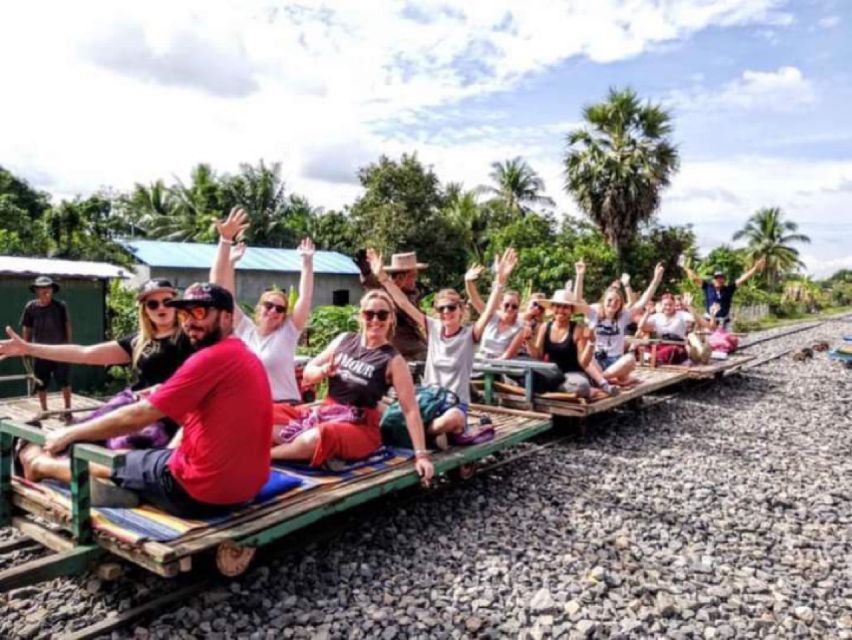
[[785, 89], [828, 22]]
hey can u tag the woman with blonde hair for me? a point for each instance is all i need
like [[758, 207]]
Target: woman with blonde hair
[[450, 345], [273, 334], [360, 368], [154, 353], [499, 337]]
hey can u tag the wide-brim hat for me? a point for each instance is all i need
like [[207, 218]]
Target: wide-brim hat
[[405, 262], [44, 281], [155, 286], [560, 296]]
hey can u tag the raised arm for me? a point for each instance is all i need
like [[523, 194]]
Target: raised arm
[[579, 276], [306, 285], [471, 289], [105, 353], [400, 377], [699, 318], [399, 298], [629, 293], [648, 294], [222, 269], [696, 279], [757, 266], [505, 264]]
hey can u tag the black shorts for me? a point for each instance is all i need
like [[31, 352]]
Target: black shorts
[[44, 369], [147, 473]]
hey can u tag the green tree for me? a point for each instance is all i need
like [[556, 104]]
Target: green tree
[[770, 236], [517, 186], [617, 166], [470, 219], [333, 232], [400, 210], [22, 214]]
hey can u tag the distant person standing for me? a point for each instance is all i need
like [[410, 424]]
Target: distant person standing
[[718, 293], [45, 321]]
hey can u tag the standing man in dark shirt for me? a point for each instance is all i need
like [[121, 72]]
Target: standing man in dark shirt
[[45, 321], [403, 269], [718, 292]]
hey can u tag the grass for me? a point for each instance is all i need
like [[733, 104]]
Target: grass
[[771, 321]]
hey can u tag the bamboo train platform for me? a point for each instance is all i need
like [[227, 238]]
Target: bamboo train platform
[[715, 368], [561, 404], [80, 535]]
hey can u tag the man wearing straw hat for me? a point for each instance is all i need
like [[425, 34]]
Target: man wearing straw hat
[[403, 270], [45, 321]]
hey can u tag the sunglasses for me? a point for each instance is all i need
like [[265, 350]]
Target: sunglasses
[[269, 306], [381, 315], [197, 313], [448, 308], [153, 305], [510, 305]]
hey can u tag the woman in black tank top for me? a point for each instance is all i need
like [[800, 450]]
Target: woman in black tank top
[[360, 368], [563, 342]]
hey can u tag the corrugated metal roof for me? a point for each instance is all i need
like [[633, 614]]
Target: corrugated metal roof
[[60, 268], [193, 255]]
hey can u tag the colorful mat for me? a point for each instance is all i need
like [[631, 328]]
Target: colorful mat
[[285, 482]]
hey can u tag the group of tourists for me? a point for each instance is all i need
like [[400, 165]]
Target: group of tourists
[[205, 371]]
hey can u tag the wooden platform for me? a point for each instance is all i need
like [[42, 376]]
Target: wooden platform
[[713, 369], [282, 517], [563, 404], [26, 409]]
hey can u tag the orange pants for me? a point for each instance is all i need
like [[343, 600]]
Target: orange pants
[[343, 440]]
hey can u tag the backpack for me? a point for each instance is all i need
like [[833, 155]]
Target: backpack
[[433, 400]]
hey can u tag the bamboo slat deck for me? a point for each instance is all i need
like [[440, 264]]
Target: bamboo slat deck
[[28, 408], [564, 404], [282, 517]]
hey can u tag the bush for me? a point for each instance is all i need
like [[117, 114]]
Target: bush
[[325, 324]]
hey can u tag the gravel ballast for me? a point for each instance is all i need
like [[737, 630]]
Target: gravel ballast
[[722, 512]]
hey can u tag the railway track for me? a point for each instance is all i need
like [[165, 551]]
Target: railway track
[[324, 532]]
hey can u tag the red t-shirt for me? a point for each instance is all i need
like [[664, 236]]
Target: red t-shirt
[[221, 397]]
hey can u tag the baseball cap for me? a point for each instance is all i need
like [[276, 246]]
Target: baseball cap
[[204, 294], [155, 286], [718, 273]]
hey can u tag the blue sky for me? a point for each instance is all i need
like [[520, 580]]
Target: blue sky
[[760, 92]]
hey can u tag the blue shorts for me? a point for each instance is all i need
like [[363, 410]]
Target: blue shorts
[[146, 472], [461, 406], [605, 362]]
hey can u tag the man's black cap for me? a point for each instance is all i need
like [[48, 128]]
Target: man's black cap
[[204, 294]]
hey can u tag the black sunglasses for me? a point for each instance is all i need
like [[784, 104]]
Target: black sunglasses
[[446, 307], [381, 314], [153, 305], [510, 305], [269, 306]]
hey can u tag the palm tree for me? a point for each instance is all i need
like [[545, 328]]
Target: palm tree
[[260, 190], [769, 236], [469, 218], [517, 185], [616, 166]]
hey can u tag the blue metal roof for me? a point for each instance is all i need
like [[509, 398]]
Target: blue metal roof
[[193, 255]]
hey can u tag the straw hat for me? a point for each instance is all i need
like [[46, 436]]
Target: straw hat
[[405, 262], [560, 296]]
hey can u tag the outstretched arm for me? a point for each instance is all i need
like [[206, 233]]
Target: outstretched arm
[[629, 293], [696, 279], [757, 266], [399, 298], [222, 269], [105, 353], [306, 285], [117, 423], [471, 289], [403, 384], [505, 264], [648, 294]]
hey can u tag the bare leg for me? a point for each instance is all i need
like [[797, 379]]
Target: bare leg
[[302, 448], [39, 465], [42, 398], [619, 370], [451, 421], [66, 396]]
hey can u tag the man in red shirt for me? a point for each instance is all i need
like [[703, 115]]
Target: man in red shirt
[[220, 396]]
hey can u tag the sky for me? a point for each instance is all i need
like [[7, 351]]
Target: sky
[[107, 94]]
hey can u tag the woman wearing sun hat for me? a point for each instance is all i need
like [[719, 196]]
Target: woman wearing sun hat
[[563, 342], [154, 352], [273, 333]]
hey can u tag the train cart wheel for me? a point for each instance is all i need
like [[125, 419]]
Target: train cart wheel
[[466, 471], [232, 560]]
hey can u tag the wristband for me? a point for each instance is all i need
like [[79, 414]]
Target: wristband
[[224, 240], [421, 453]]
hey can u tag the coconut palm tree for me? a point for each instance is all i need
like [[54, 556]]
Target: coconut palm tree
[[770, 236], [517, 186], [617, 165], [469, 218]]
